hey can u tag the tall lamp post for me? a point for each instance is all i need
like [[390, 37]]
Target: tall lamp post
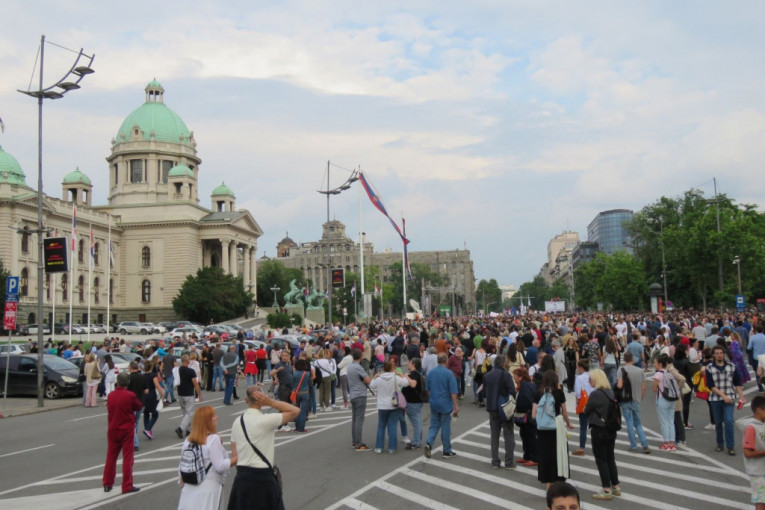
[[275, 289], [329, 192], [70, 81], [737, 261]]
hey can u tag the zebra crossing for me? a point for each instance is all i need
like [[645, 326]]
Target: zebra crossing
[[683, 480]]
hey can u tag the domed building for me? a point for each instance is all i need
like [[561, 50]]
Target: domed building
[[159, 231]]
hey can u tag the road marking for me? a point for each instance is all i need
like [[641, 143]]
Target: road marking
[[356, 504], [414, 498], [27, 450], [100, 477], [87, 417]]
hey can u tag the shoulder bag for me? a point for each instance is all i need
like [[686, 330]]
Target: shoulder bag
[[397, 400], [293, 395], [274, 469]]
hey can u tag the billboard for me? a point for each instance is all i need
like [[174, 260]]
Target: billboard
[[338, 278], [555, 306], [55, 249]]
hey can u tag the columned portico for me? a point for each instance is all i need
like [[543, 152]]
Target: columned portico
[[232, 249], [224, 258]]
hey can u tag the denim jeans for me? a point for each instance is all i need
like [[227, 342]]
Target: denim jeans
[[631, 413], [229, 388], [302, 403], [402, 422], [312, 398], [610, 371], [150, 417], [358, 410], [387, 419], [414, 412], [137, 421], [442, 421], [169, 388], [217, 377], [723, 414], [582, 430], [666, 411], [252, 379]]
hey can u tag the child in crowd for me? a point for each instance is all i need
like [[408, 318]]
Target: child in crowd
[[754, 452]]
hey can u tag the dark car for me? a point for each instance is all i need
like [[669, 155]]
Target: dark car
[[292, 340], [60, 377]]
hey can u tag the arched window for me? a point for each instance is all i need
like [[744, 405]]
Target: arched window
[[81, 251], [64, 287], [146, 291], [25, 240], [81, 288], [146, 257], [95, 254], [24, 282], [96, 289]]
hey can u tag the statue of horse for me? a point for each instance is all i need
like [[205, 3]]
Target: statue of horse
[[293, 297]]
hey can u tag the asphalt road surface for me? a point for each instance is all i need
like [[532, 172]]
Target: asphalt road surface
[[54, 460]]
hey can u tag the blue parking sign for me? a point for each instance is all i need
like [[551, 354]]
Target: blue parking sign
[[12, 288]]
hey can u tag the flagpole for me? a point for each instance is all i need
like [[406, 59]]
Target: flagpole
[[403, 283], [109, 278], [90, 277], [361, 242], [71, 268], [53, 296]]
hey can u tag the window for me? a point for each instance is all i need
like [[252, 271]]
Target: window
[[25, 240], [81, 288], [95, 254], [146, 257], [136, 170], [96, 290], [24, 282], [165, 170], [146, 291], [116, 174], [65, 287], [81, 251]]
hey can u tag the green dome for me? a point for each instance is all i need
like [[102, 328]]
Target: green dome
[[10, 170], [223, 190], [77, 177], [154, 116], [180, 171]]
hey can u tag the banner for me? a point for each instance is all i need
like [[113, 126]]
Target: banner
[[555, 306], [56, 260], [338, 278]]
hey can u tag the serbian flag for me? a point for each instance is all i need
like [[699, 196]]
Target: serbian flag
[[353, 290], [306, 291], [74, 227], [111, 252], [377, 202], [406, 251]]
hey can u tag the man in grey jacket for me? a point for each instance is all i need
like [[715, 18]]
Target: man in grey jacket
[[229, 364]]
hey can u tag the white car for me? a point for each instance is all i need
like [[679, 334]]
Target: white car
[[155, 328], [188, 330], [128, 327], [32, 329], [12, 349]]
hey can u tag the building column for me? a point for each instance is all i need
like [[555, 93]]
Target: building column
[[224, 258], [246, 266], [201, 260], [233, 269]]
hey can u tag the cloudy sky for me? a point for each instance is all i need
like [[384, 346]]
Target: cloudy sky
[[492, 125]]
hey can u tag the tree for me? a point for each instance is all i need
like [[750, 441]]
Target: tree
[[272, 273], [212, 294], [489, 295], [617, 280]]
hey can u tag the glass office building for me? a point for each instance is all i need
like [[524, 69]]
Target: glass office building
[[608, 230]]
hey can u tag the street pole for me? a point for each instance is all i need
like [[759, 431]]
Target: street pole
[[719, 256], [737, 261]]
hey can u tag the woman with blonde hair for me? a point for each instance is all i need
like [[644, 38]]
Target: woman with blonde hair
[[603, 437], [91, 370], [207, 495]]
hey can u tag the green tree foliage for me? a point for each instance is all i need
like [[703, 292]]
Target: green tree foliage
[[686, 228], [489, 295], [283, 320], [421, 273], [538, 291], [212, 294], [617, 280], [273, 273]]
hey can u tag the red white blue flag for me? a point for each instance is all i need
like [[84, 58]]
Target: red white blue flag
[[406, 252], [377, 202]]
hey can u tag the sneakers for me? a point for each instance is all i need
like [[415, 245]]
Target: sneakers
[[426, 450], [107, 488], [410, 446], [731, 452], [579, 451], [603, 495], [449, 455], [495, 466], [616, 491], [134, 489], [509, 466], [689, 426], [531, 463], [710, 426], [179, 432], [148, 434], [361, 448], [682, 443], [719, 449], [285, 428], [671, 447], [647, 450], [378, 450], [407, 440]]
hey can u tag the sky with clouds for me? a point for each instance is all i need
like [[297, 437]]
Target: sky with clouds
[[492, 125]]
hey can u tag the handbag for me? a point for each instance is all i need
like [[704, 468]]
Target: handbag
[[95, 372], [397, 400], [583, 398], [521, 418], [686, 389], [274, 469], [293, 395]]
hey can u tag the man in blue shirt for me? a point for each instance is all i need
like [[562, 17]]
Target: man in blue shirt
[[636, 348], [442, 386], [757, 347]]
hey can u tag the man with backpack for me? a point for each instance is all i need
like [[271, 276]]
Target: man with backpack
[[631, 384]]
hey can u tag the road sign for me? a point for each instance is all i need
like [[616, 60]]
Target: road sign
[[9, 318], [12, 289], [740, 303]]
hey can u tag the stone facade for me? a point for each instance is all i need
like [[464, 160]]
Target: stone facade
[[159, 232]]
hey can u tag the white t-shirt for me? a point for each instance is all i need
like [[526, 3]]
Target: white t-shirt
[[260, 428]]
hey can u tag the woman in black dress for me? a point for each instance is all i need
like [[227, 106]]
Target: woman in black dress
[[547, 440]]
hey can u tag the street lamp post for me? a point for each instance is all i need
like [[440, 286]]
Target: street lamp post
[[70, 81], [737, 261], [275, 289]]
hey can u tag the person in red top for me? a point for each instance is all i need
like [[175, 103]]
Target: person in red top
[[122, 405], [260, 361], [250, 366]]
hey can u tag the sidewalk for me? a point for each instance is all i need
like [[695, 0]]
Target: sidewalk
[[20, 406]]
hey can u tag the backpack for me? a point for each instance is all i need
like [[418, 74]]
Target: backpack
[[670, 390], [546, 412], [613, 419], [625, 393], [192, 468]]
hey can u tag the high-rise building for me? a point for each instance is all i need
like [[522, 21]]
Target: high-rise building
[[608, 230]]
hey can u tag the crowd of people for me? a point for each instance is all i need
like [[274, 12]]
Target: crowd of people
[[606, 363]]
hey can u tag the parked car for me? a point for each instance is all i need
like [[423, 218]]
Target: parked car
[[216, 329], [22, 329], [155, 328], [32, 329], [13, 348], [97, 328], [130, 327], [60, 377], [292, 340], [188, 330], [127, 357]]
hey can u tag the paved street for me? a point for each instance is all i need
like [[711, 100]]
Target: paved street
[[55, 460]]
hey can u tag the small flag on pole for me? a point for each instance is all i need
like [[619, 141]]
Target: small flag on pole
[[306, 291], [111, 252]]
